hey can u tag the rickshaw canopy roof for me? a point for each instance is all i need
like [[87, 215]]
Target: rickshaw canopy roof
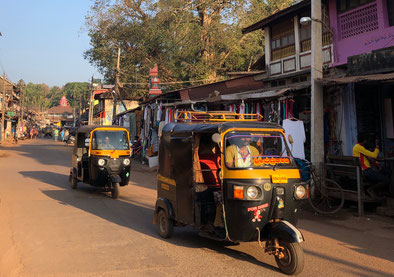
[[89, 128], [212, 127]]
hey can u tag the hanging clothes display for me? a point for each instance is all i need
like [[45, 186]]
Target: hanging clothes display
[[290, 112], [159, 111], [295, 128]]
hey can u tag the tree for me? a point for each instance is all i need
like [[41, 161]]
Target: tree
[[189, 40], [77, 94], [36, 96], [54, 95]]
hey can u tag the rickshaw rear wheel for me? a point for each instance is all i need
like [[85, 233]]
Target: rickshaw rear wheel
[[292, 260], [115, 190], [165, 224]]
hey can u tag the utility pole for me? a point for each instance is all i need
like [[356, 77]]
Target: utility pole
[[91, 91], [21, 108], [317, 138], [3, 111], [117, 72]]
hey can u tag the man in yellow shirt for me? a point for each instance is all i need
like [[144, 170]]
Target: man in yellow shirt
[[375, 173], [241, 154]]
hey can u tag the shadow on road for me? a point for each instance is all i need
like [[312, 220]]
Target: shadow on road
[[44, 151], [129, 213], [367, 271], [364, 235], [138, 216]]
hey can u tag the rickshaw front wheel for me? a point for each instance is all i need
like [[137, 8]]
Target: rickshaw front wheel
[[290, 260], [73, 181], [165, 224], [115, 190]]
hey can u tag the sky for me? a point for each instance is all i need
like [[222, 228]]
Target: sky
[[43, 41]]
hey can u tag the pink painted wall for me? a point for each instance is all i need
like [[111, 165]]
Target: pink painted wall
[[383, 37]]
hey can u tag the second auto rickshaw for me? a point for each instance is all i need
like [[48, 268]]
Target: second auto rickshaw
[[101, 158], [234, 179]]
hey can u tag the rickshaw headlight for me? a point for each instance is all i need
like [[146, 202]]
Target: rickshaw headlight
[[101, 162], [252, 192], [300, 192], [126, 161]]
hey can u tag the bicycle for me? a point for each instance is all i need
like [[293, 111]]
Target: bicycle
[[325, 195]]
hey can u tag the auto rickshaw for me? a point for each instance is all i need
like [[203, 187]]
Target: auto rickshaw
[[101, 158], [205, 181]]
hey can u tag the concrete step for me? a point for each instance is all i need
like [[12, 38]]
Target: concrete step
[[385, 211]]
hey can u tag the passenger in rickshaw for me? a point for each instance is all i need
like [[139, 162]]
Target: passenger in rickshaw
[[239, 152], [208, 182]]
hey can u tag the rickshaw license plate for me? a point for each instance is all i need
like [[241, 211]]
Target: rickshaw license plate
[[279, 179]]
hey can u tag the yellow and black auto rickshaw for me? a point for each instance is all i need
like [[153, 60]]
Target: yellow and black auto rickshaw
[[233, 177], [101, 158]]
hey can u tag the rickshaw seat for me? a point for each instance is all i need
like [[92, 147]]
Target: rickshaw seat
[[210, 163]]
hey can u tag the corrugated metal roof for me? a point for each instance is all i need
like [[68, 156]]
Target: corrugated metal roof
[[262, 23], [356, 79]]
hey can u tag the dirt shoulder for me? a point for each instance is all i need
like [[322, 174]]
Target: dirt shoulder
[[10, 264]]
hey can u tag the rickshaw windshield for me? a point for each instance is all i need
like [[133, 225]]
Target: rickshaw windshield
[[110, 140], [256, 150]]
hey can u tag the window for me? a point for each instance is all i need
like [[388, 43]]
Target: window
[[345, 5], [256, 150], [282, 40], [110, 140]]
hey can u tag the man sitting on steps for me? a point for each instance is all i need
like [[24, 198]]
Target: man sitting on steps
[[375, 173]]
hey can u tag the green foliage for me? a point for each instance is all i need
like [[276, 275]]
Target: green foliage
[[189, 40], [42, 97], [54, 95], [36, 96], [77, 93]]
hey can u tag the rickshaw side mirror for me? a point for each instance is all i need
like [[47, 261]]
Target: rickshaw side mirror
[[87, 142], [217, 138], [290, 138]]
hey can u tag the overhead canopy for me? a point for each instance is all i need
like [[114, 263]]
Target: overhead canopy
[[258, 94], [210, 127], [356, 79]]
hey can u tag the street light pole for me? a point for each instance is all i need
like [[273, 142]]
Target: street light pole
[[117, 72], [317, 138]]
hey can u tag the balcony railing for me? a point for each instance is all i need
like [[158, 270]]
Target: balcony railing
[[358, 21], [306, 44], [283, 52]]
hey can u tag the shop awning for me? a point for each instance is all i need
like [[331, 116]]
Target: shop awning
[[258, 94], [356, 79], [185, 102]]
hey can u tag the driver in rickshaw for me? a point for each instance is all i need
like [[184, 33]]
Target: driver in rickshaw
[[107, 145], [240, 153]]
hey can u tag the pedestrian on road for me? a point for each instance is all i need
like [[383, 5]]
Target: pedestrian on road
[[66, 134], [62, 135], [56, 134]]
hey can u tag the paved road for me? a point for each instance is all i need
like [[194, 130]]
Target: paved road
[[47, 229]]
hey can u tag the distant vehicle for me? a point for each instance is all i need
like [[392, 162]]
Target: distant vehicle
[[101, 158], [47, 131]]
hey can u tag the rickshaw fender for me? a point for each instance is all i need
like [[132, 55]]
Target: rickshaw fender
[[163, 203], [116, 179], [283, 230]]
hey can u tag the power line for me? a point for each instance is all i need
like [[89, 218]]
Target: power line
[[175, 82]]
